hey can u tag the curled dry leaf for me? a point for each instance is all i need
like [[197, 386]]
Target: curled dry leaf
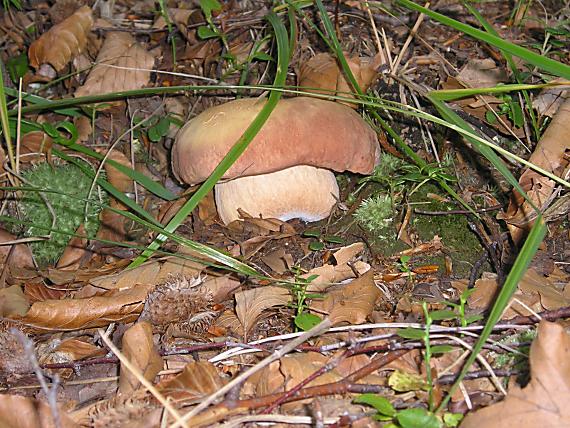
[[121, 181], [73, 314], [198, 379], [550, 154], [18, 255], [151, 273], [322, 75], [24, 412], [75, 252], [544, 401], [35, 146], [251, 303], [139, 349], [122, 65], [62, 42], [351, 303], [13, 302]]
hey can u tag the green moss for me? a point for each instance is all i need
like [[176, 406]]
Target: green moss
[[457, 237], [68, 189]]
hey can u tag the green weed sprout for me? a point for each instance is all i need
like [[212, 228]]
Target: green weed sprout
[[66, 190]]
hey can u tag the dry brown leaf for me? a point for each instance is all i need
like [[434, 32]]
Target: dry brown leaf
[[551, 296], [198, 379], [75, 253], [351, 303], [548, 101], [24, 412], [298, 367], [121, 181], [481, 73], [139, 349], [544, 401], [270, 380], [13, 302], [34, 146], [62, 42], [151, 273], [228, 321], [122, 65], [550, 154], [18, 256], [322, 75], [72, 314], [251, 303]]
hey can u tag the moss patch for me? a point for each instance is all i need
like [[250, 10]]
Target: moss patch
[[67, 189]]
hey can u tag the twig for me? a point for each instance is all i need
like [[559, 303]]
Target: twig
[[315, 331], [51, 394]]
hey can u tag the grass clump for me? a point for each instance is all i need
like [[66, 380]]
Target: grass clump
[[66, 189]]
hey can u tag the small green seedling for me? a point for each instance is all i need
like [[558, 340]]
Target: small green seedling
[[303, 320], [407, 418], [322, 240], [424, 336], [460, 307], [509, 108]]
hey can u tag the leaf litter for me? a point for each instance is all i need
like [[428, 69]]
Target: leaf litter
[[185, 326]]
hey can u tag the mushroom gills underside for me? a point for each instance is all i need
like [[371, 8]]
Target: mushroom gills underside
[[303, 192]]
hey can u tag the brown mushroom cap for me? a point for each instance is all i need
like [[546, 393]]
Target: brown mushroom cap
[[300, 131]]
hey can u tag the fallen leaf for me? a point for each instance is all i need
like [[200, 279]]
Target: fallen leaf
[[544, 401], [152, 272], [61, 43], [198, 379], [481, 73], [548, 101], [122, 182], [18, 255], [35, 146], [351, 303], [322, 75], [551, 297], [251, 303], [13, 302], [550, 154], [122, 65], [139, 349], [73, 314], [25, 412], [75, 252]]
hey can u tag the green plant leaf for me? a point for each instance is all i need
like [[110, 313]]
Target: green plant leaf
[[262, 56], [316, 246], [205, 32], [208, 6], [333, 239], [411, 333], [306, 321], [312, 233], [441, 349], [443, 314], [417, 418], [381, 404], [452, 419]]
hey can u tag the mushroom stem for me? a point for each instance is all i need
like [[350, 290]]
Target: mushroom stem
[[303, 192]]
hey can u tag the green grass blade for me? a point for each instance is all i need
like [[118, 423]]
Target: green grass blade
[[529, 249], [456, 94], [238, 148], [5, 123], [151, 185], [449, 115], [546, 64]]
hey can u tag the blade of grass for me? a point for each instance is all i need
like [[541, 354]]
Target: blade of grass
[[512, 65], [337, 49], [455, 94], [5, 123], [546, 64], [151, 185], [239, 147], [529, 249]]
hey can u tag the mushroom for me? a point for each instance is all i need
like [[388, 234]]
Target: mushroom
[[286, 171]]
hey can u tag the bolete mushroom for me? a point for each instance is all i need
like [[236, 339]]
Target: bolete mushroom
[[285, 172]]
